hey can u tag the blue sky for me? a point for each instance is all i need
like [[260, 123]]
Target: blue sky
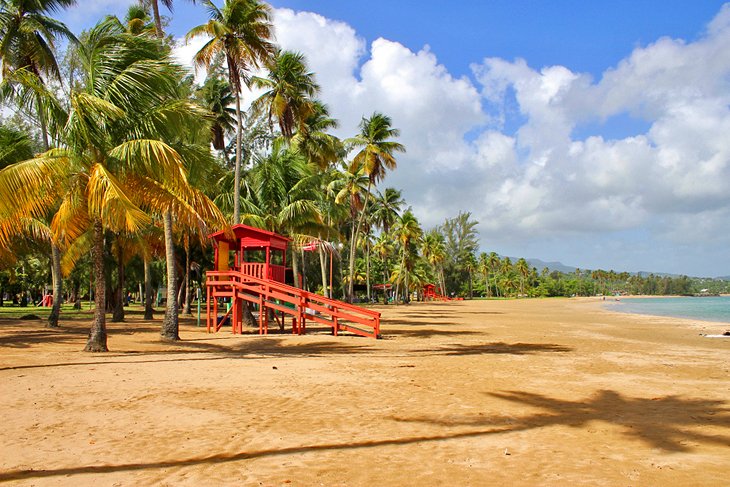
[[591, 133]]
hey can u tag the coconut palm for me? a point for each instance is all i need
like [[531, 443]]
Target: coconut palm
[[113, 164], [384, 247], [289, 92], [242, 31], [493, 265], [376, 155], [27, 35], [137, 21], [27, 38], [523, 270], [407, 231], [311, 140], [284, 198], [349, 187], [433, 250], [156, 12], [216, 96], [386, 208]]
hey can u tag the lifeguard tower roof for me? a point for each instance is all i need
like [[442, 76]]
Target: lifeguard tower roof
[[246, 237]]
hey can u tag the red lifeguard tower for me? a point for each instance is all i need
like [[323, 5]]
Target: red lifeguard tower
[[429, 291], [250, 266], [252, 251]]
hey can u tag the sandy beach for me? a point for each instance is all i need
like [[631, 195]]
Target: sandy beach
[[520, 392]]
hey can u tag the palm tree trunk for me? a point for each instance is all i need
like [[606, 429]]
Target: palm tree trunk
[[326, 291], [170, 326], [353, 244], [148, 310], [119, 300], [295, 267], [97, 333], [367, 268], [407, 296], [188, 290], [158, 20], [237, 170], [57, 286]]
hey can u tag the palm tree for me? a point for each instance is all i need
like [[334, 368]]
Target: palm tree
[[137, 21], [27, 36], [349, 186], [290, 88], [377, 154], [387, 207], [407, 231], [434, 251], [242, 31], [494, 263], [216, 96], [313, 142], [112, 164], [284, 197], [383, 247], [156, 12], [523, 269]]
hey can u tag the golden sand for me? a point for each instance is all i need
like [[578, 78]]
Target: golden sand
[[526, 392]]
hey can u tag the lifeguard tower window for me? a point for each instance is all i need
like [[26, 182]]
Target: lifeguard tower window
[[254, 255], [277, 257]]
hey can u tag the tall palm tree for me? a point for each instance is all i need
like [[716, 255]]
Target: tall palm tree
[[434, 251], [290, 89], [383, 247], [376, 155], [113, 164], [407, 231], [242, 30], [311, 140], [27, 37], [349, 187], [493, 265], [386, 208], [523, 270], [155, 4], [284, 198], [216, 96]]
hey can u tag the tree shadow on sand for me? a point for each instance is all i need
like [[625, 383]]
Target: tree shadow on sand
[[202, 351], [668, 422], [497, 348], [661, 422]]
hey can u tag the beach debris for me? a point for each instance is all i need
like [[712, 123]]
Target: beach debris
[[507, 452], [724, 335], [275, 367]]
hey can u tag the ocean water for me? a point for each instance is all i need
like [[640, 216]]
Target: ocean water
[[700, 308]]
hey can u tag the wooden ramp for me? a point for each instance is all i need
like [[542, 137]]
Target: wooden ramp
[[280, 300]]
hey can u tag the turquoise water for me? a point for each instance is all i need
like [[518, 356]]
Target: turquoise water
[[706, 309]]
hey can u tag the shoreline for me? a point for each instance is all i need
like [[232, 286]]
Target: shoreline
[[697, 323]]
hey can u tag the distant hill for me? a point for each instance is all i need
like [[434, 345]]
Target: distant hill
[[553, 266]]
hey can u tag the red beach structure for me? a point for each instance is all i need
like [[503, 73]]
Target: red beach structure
[[250, 266], [430, 294]]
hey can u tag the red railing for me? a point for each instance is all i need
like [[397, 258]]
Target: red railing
[[256, 269], [303, 305]]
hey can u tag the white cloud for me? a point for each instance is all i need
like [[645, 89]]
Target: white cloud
[[538, 181]]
